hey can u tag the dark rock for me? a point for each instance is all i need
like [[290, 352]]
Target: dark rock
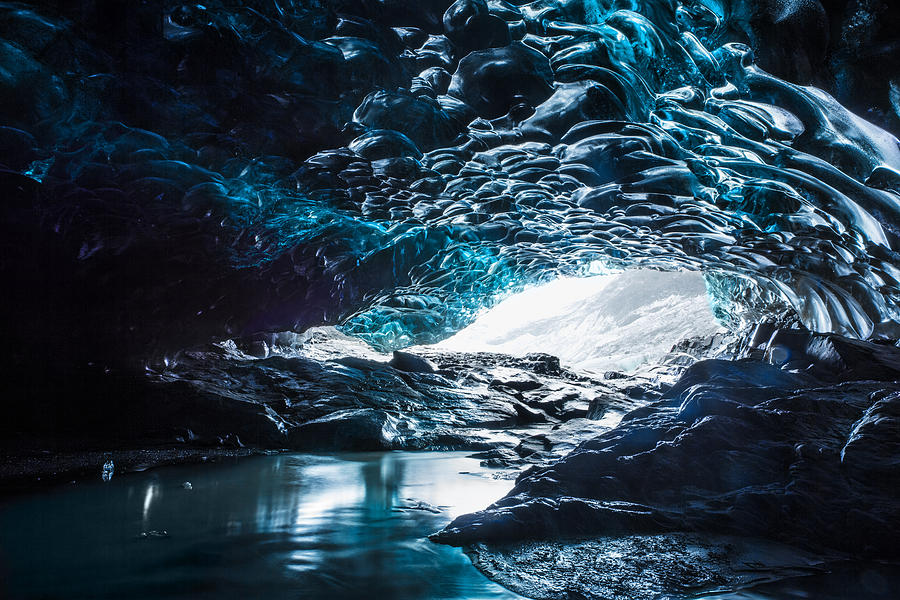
[[638, 567], [404, 361], [532, 445], [739, 447], [563, 404], [543, 364], [498, 458], [350, 430], [223, 396], [522, 383], [527, 415]]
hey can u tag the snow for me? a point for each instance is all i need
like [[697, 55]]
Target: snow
[[616, 321]]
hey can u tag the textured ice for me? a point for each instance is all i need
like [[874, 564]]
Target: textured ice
[[602, 323], [217, 170]]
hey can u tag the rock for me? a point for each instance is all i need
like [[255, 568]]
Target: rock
[[154, 534], [528, 415], [562, 404], [521, 382], [349, 430], [544, 364], [498, 458], [638, 567], [739, 447], [109, 468], [404, 361]]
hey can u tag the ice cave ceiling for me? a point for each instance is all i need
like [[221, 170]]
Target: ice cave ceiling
[[200, 171]]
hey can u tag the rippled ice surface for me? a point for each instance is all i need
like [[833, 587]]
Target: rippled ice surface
[[289, 526]]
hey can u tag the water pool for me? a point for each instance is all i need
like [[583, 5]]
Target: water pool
[[284, 526]]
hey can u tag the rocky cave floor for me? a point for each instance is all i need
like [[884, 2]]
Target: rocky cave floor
[[321, 391], [776, 457]]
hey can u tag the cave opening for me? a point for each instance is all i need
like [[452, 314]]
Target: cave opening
[[616, 321]]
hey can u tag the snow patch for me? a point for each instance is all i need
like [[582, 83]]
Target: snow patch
[[616, 321]]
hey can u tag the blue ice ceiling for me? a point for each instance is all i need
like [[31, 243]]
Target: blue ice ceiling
[[178, 172]]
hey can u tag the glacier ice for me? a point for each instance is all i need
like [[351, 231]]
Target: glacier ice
[[218, 170]]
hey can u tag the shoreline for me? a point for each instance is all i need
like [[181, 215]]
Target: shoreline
[[29, 471]]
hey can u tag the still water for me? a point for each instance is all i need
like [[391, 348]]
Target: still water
[[286, 526]]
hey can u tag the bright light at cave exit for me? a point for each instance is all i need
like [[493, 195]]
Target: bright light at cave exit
[[617, 321]]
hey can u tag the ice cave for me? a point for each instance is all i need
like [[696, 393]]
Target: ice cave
[[460, 300]]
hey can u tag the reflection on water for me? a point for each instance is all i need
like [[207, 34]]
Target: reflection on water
[[290, 526]]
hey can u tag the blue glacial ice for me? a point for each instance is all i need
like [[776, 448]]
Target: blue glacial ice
[[217, 170]]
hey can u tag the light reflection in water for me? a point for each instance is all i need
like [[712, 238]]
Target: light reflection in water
[[149, 495], [292, 526]]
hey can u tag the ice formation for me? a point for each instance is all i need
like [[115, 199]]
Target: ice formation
[[202, 171]]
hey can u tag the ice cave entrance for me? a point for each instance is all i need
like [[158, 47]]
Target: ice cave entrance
[[615, 321]]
